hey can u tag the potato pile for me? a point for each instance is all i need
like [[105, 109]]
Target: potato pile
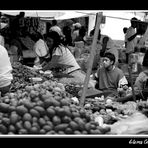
[[45, 109]]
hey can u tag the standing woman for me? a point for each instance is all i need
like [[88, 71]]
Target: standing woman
[[75, 32], [60, 54], [131, 38]]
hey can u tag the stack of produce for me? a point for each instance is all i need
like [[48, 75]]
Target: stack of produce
[[73, 89], [109, 110], [22, 76], [45, 109]]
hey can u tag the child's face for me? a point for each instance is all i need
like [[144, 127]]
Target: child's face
[[106, 62]]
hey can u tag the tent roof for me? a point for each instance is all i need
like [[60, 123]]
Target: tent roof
[[46, 15], [61, 15]]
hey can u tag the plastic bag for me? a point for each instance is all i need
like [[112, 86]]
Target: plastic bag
[[133, 125]]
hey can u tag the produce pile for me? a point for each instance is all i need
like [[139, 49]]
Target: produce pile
[[49, 107], [73, 89], [45, 109], [22, 76], [110, 111]]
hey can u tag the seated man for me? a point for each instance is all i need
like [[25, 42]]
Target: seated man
[[109, 77]]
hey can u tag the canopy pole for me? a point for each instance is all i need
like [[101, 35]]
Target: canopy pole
[[91, 57], [131, 80]]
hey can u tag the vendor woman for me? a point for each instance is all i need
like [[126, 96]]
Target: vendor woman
[[60, 54]]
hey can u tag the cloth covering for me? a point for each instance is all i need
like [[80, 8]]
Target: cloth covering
[[134, 124], [5, 68]]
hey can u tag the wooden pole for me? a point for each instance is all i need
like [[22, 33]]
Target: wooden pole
[[91, 57], [131, 80]]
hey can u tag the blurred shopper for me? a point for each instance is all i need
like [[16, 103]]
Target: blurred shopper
[[5, 71], [15, 26], [125, 36], [75, 33], [131, 38], [41, 49], [82, 34], [67, 35], [15, 50], [56, 28]]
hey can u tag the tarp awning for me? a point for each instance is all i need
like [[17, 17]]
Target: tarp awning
[[47, 15]]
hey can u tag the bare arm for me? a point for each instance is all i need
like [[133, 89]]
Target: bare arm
[[51, 63]]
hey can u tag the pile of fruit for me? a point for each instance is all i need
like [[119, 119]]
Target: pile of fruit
[[109, 110], [22, 76], [73, 89], [45, 109]]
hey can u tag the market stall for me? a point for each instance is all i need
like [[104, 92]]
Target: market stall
[[34, 21], [40, 104]]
